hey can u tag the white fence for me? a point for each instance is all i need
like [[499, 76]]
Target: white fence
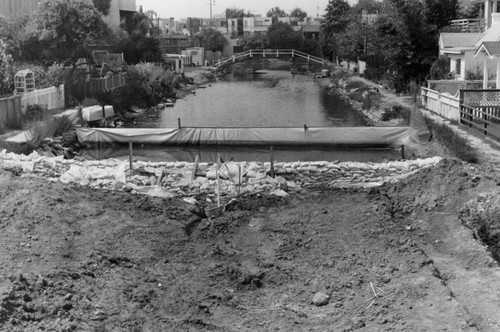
[[443, 104], [52, 97]]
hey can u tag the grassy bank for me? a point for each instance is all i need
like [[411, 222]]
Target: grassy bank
[[457, 145]]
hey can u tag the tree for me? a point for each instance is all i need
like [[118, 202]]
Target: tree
[[142, 43], [299, 14], [275, 13], [214, 40], [102, 6], [255, 41], [282, 36], [235, 12], [61, 30], [407, 42], [337, 17], [440, 69], [336, 21], [441, 12], [6, 75]]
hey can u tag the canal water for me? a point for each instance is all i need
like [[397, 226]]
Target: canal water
[[265, 99]]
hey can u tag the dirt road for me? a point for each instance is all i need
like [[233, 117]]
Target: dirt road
[[395, 258]]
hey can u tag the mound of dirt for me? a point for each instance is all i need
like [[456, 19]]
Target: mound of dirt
[[77, 259]]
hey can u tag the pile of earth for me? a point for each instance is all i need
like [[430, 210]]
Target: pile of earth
[[78, 259]]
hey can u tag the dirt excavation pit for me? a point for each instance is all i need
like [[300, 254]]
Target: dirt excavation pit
[[402, 257]]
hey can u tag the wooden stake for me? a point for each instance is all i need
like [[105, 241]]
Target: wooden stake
[[272, 161], [195, 166], [130, 155], [239, 179], [178, 123], [218, 179]]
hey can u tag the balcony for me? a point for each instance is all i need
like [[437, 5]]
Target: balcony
[[468, 25]]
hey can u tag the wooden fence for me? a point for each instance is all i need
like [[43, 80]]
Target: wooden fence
[[485, 119], [52, 98], [10, 110], [443, 104], [94, 86], [480, 109]]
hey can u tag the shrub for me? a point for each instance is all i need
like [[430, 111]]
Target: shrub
[[52, 127], [147, 85], [34, 112], [396, 112], [373, 74]]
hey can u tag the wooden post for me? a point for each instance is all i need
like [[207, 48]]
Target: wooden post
[[178, 123], [239, 179], [402, 152], [272, 161], [130, 155], [196, 159], [218, 179]]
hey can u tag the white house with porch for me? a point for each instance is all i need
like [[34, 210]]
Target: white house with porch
[[461, 47]]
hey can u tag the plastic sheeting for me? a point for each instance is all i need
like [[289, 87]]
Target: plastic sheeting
[[348, 136]]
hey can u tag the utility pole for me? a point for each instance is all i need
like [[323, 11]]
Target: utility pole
[[211, 3]]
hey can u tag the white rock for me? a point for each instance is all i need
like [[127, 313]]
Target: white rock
[[279, 193], [320, 299]]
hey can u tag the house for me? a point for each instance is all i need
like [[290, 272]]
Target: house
[[460, 47], [197, 55], [256, 25], [463, 48], [174, 43], [120, 11]]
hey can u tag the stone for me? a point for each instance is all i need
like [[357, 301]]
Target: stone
[[320, 299], [279, 193]]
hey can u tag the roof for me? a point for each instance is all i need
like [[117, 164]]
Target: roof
[[459, 39], [492, 34], [311, 28], [490, 48]]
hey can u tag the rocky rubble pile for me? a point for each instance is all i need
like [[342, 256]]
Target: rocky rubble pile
[[183, 179]]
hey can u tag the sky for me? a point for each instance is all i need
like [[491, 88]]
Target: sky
[[201, 8]]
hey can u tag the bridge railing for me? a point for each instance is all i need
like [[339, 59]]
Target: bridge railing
[[269, 52]]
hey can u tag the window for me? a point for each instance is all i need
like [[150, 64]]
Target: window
[[458, 66]]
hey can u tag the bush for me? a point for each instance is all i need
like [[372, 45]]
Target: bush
[[373, 74], [396, 112], [147, 85], [52, 127], [34, 112]]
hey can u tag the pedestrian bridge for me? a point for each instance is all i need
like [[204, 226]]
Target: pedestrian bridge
[[268, 53]]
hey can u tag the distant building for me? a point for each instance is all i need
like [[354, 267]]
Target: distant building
[[197, 55], [256, 25], [174, 43], [311, 31], [120, 11]]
